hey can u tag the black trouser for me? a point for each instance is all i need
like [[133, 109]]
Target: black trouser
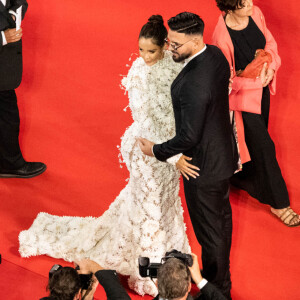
[[261, 177], [210, 212], [10, 153]]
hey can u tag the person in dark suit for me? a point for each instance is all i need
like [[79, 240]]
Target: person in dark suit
[[12, 163], [174, 282], [65, 283], [205, 137]]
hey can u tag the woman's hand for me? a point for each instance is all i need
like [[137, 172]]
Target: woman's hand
[[185, 168], [266, 75], [269, 76], [263, 75], [230, 81]]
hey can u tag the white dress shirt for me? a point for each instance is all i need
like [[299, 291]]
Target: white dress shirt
[[192, 57], [202, 284], [4, 42]]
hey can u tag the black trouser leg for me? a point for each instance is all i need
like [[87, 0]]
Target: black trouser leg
[[210, 212], [261, 177], [270, 187], [10, 153]]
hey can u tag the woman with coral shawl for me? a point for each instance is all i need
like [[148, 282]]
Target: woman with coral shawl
[[251, 50]]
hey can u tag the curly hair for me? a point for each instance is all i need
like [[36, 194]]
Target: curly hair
[[227, 5]]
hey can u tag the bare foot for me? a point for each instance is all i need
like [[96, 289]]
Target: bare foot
[[287, 216]]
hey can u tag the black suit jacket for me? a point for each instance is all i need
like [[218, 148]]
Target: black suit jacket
[[10, 54], [201, 109], [111, 284], [209, 292]]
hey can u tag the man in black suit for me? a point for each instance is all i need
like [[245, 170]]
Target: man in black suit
[[203, 133], [12, 163], [174, 282]]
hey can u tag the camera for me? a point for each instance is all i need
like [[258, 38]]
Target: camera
[[85, 279], [147, 269]]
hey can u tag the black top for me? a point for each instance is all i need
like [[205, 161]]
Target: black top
[[245, 43]]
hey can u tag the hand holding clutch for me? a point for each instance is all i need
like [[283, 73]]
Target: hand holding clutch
[[253, 70]]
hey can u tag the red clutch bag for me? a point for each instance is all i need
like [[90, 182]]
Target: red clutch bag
[[253, 69]]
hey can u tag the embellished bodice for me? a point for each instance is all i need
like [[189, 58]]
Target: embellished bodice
[[149, 92]]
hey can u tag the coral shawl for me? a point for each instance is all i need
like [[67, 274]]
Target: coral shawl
[[246, 93]]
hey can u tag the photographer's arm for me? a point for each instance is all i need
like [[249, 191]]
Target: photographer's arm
[[107, 278], [111, 284], [207, 289]]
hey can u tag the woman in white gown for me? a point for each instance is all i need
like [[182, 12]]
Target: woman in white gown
[[146, 219]]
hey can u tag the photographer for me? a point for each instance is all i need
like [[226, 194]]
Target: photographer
[[174, 281], [66, 283]]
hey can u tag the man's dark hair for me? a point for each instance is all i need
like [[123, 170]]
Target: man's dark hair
[[64, 284], [187, 23], [173, 279], [155, 29], [227, 5]]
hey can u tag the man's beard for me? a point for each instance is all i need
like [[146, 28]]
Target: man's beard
[[180, 58]]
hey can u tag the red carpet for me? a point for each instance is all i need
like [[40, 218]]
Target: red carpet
[[72, 119]]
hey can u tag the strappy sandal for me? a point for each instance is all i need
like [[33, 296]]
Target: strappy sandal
[[287, 217]]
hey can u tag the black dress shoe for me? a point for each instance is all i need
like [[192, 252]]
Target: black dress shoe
[[29, 170]]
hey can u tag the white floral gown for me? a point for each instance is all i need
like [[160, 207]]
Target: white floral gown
[[146, 219]]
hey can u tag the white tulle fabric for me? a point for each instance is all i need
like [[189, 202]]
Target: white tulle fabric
[[146, 219]]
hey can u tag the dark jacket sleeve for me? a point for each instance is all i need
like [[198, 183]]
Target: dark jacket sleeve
[[17, 3], [210, 292], [111, 284], [194, 103]]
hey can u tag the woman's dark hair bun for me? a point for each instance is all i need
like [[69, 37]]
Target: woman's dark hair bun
[[155, 30], [156, 19]]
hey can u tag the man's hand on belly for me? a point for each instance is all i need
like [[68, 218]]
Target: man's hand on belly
[[146, 146]]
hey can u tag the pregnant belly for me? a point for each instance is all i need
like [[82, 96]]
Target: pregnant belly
[[129, 140], [136, 130]]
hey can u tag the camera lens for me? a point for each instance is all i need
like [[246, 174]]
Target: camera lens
[[144, 261]]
